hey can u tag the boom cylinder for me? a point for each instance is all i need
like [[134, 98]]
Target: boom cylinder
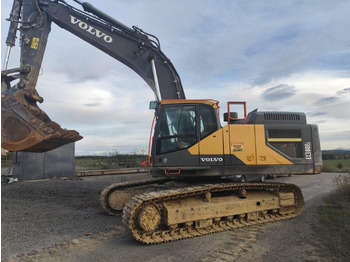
[[11, 36], [90, 8], [14, 18]]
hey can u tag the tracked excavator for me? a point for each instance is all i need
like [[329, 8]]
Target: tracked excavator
[[192, 156]]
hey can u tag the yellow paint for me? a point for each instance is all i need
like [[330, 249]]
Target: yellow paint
[[284, 140], [194, 150], [225, 133], [265, 155], [35, 43], [242, 143], [246, 142], [212, 144]]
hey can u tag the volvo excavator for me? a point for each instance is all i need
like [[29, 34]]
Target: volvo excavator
[[192, 157]]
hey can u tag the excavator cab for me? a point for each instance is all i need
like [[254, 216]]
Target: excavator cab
[[180, 127]]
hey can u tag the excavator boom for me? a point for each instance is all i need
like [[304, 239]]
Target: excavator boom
[[25, 127]]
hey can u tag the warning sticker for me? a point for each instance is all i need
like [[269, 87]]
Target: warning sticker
[[35, 43], [236, 146]]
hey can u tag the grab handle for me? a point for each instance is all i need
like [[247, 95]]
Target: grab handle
[[172, 173]]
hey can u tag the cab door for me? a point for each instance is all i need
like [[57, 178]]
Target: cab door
[[176, 137]]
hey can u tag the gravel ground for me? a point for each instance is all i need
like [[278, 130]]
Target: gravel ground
[[61, 220], [41, 213], [288, 241]]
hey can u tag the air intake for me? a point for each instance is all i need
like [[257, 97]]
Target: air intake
[[262, 117], [282, 116]]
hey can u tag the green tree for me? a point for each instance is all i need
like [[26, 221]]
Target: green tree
[[340, 166]]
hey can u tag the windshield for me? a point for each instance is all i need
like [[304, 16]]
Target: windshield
[[177, 128]]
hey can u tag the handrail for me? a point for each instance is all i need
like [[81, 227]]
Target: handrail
[[236, 118], [150, 141]]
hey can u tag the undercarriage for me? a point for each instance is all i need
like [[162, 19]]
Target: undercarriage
[[155, 214]]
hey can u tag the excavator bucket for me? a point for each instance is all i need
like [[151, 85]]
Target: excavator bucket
[[25, 127]]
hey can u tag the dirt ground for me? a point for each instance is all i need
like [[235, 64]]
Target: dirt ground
[[61, 220]]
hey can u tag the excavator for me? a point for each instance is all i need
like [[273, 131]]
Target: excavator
[[192, 156]]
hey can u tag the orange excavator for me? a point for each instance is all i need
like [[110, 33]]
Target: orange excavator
[[193, 158]]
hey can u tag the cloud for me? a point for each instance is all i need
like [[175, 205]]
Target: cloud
[[339, 95], [344, 91], [327, 100], [93, 105], [320, 113], [334, 136], [278, 92]]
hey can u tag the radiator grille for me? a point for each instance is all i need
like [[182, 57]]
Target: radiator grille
[[282, 116], [287, 141]]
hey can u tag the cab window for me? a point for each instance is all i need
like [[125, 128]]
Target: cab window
[[177, 128], [208, 124]]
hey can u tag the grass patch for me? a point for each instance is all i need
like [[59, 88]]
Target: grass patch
[[336, 166], [333, 231], [109, 162]]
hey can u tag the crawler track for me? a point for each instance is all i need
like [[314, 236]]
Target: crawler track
[[149, 203], [119, 187]]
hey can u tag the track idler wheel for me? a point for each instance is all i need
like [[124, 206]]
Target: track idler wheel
[[149, 218]]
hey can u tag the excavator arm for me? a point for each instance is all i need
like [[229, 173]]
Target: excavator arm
[[25, 127]]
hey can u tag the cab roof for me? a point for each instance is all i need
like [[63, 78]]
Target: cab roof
[[211, 102]]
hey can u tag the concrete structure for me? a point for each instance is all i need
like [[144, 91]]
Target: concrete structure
[[59, 162]]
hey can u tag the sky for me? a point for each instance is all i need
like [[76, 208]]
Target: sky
[[275, 55]]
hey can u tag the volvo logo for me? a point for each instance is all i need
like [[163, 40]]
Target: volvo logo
[[212, 159], [92, 30]]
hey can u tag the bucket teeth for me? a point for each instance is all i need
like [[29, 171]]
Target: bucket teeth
[[25, 127]]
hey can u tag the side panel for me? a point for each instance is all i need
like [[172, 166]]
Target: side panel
[[211, 149], [265, 155], [242, 145], [179, 158], [291, 141]]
